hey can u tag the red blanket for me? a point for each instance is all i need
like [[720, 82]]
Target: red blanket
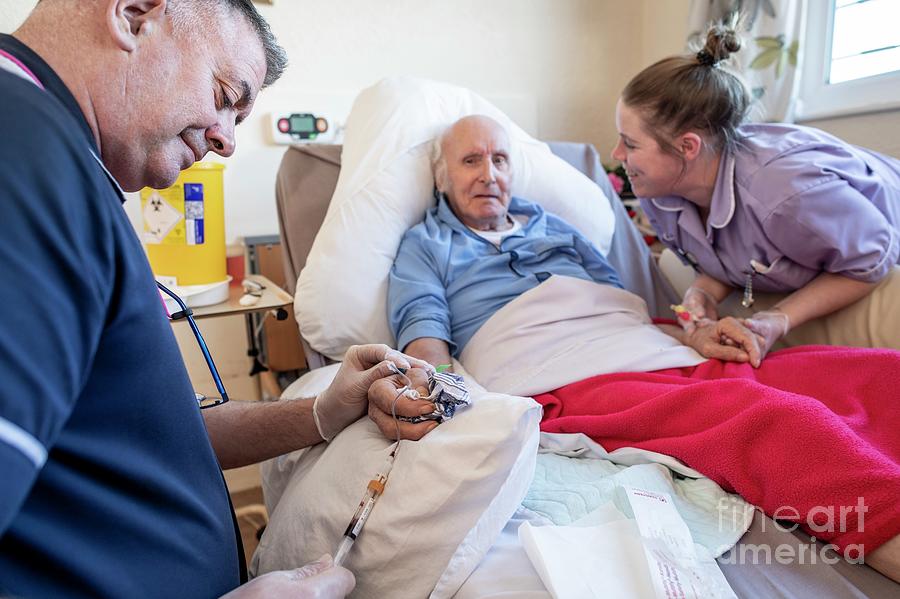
[[812, 436]]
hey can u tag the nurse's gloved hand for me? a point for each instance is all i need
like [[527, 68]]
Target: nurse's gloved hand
[[727, 339], [700, 306], [317, 580], [769, 326], [346, 399]]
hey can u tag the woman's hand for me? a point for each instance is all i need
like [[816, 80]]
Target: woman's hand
[[769, 326], [726, 339], [320, 579], [700, 303]]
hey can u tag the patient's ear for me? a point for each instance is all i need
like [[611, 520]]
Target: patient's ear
[[128, 20], [689, 144]]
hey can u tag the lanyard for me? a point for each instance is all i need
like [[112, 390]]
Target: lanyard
[[10, 63], [13, 65]]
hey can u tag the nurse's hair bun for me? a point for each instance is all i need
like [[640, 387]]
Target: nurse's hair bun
[[696, 91], [722, 40]]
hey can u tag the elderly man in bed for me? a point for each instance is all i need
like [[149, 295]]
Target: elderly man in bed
[[497, 247], [808, 434]]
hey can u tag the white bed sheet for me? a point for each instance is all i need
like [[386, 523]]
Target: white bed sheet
[[506, 572], [526, 349]]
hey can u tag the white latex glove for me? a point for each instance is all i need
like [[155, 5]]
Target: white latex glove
[[346, 400], [317, 580], [700, 306], [769, 326]]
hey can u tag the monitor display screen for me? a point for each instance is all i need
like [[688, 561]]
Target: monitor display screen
[[303, 124]]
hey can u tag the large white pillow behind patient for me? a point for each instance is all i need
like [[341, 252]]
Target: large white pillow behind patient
[[385, 187]]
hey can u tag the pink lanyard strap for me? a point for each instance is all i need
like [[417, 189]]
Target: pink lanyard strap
[[24, 70]]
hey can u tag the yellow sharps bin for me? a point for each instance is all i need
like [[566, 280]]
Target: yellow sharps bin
[[184, 227]]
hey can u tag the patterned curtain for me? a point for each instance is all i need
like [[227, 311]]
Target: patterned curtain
[[770, 58]]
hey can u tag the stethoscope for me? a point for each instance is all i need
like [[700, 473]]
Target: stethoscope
[[11, 64]]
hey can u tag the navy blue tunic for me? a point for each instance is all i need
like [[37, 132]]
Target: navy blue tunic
[[109, 486]]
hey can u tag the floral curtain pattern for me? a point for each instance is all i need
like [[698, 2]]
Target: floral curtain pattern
[[769, 59]]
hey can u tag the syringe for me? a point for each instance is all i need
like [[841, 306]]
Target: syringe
[[373, 491]]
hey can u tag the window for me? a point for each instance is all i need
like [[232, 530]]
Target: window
[[852, 58]]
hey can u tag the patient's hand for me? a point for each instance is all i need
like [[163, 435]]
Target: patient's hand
[[382, 394], [345, 399], [726, 339]]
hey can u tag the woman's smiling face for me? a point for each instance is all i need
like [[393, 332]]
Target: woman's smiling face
[[652, 172]]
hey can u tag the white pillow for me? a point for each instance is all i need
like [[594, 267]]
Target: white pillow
[[385, 187], [445, 502]]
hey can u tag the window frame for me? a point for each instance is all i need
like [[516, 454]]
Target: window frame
[[817, 98]]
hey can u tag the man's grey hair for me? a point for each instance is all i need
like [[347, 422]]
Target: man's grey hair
[[190, 13]]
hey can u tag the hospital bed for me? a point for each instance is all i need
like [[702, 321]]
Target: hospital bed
[[305, 183]]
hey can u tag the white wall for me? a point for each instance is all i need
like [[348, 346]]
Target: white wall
[[879, 131], [13, 12]]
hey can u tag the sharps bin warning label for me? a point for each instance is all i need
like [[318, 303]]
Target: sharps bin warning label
[[174, 216]]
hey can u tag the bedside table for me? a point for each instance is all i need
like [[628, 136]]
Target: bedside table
[[274, 301], [273, 298]]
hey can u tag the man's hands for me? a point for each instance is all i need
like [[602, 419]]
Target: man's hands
[[727, 339], [346, 398], [384, 392], [316, 580]]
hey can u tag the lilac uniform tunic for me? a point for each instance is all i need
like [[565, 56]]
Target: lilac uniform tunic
[[793, 203]]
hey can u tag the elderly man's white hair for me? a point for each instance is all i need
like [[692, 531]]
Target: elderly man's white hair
[[439, 161]]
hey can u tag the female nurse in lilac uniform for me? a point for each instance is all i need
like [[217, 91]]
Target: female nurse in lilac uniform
[[755, 207]]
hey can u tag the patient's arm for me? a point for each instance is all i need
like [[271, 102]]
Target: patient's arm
[[434, 351]]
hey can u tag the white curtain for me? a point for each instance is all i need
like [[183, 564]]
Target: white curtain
[[770, 57]]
